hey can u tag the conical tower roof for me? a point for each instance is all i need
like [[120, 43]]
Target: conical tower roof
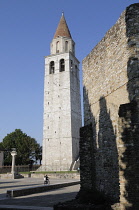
[[62, 29]]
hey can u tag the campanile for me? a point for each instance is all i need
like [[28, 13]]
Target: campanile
[[62, 103]]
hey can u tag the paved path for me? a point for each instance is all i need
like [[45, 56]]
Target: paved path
[[41, 201]]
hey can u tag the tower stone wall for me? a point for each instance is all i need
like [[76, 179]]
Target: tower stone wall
[[62, 106], [110, 79]]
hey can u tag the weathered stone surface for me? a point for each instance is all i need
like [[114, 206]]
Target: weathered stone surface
[[129, 155], [111, 78], [87, 173]]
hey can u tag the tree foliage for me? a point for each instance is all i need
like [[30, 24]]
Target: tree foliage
[[27, 148]]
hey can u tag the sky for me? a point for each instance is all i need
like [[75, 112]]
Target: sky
[[26, 29]]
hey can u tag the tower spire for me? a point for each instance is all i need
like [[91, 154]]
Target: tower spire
[[62, 29]]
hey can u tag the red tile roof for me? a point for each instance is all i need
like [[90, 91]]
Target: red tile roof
[[62, 29]]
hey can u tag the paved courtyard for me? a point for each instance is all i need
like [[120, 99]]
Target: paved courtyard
[[44, 200]]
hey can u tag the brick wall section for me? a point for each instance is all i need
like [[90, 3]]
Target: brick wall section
[[111, 78]]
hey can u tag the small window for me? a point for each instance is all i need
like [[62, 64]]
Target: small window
[[66, 46], [62, 65], [73, 48], [57, 47], [76, 70], [52, 67], [71, 64]]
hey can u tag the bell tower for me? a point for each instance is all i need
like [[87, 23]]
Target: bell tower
[[62, 106]]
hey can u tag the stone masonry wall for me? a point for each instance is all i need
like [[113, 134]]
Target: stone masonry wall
[[129, 155], [87, 174], [111, 78]]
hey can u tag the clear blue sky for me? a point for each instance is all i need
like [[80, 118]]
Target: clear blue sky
[[26, 30]]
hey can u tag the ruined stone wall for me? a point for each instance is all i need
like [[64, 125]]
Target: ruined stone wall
[[105, 71], [111, 78], [129, 155], [87, 172]]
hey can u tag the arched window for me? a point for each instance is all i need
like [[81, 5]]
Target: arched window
[[52, 67], [66, 46], [62, 65], [57, 47]]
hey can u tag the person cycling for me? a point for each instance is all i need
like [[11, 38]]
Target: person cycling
[[46, 180]]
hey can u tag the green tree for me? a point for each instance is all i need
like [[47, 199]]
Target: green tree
[[1, 146], [27, 148]]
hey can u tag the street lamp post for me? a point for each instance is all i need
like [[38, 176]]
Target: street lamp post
[[13, 153]]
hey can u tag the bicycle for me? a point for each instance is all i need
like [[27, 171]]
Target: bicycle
[[46, 180]]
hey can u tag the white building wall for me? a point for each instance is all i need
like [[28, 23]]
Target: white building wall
[[62, 113], [62, 45]]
